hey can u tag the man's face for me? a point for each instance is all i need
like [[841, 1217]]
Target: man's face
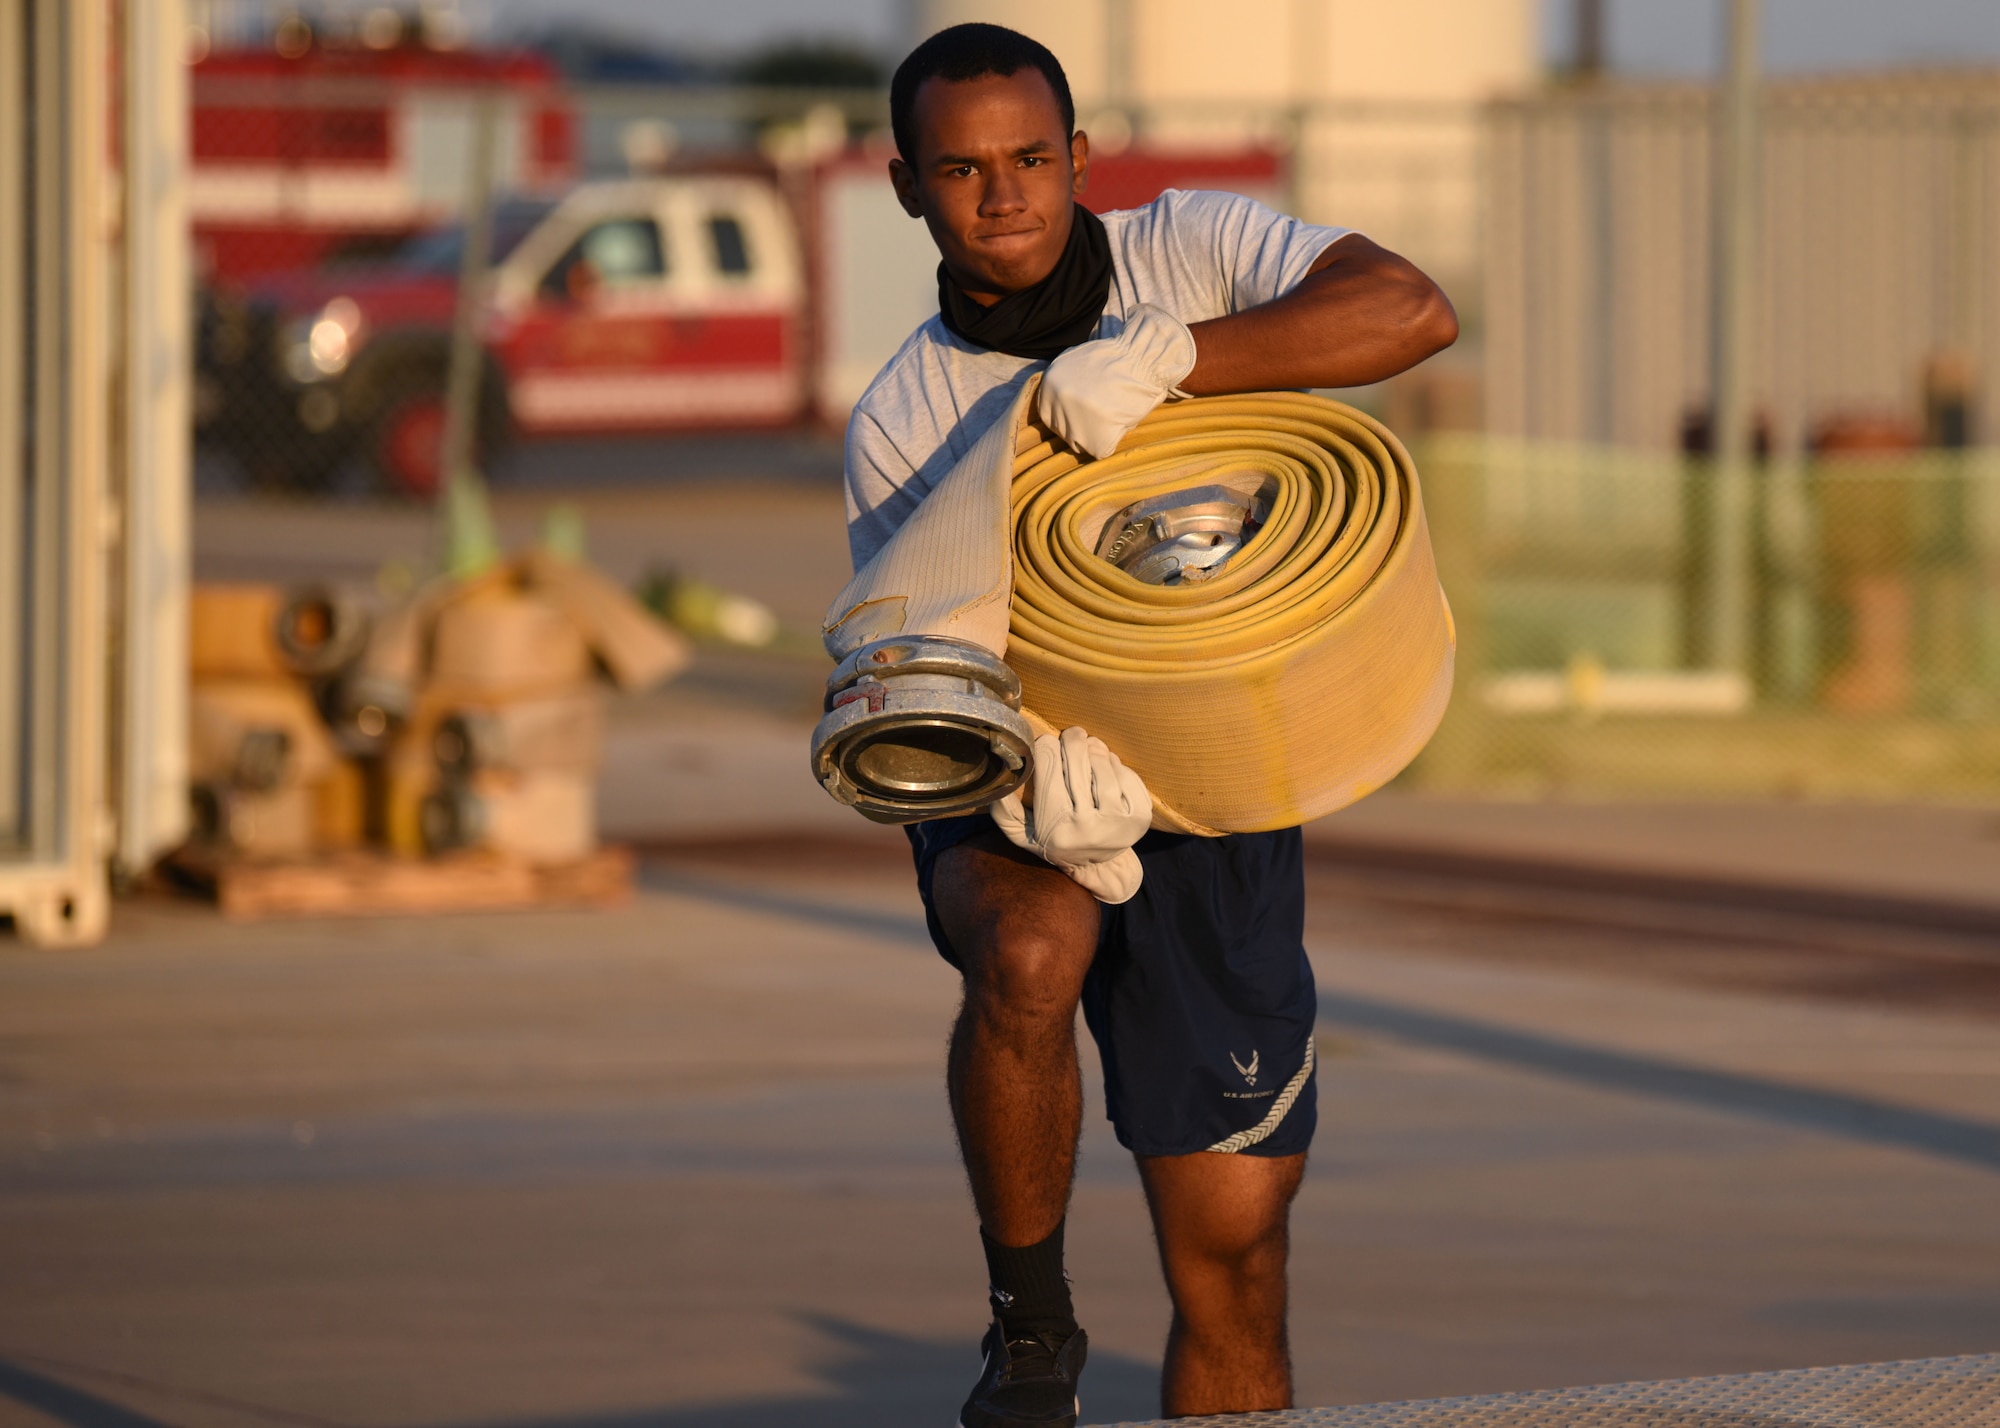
[[994, 178]]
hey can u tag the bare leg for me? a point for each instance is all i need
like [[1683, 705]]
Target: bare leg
[[1222, 1222], [1026, 935]]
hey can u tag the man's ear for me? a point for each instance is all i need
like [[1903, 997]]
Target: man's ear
[[1079, 163], [904, 179]]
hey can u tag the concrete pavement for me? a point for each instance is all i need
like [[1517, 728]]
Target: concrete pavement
[[686, 765], [1916, 852], [688, 1163]]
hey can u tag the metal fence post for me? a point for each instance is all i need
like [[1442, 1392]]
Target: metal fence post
[[1727, 615], [150, 705], [465, 520], [1790, 544]]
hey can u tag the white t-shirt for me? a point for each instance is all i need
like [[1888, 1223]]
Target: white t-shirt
[[1199, 255]]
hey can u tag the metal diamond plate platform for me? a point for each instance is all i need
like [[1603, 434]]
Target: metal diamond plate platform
[[1914, 1393]]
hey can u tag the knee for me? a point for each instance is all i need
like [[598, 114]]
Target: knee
[[1234, 1250], [1229, 1282], [1027, 973], [1241, 1250]]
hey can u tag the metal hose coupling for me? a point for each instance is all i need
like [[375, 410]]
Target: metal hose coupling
[[921, 726]]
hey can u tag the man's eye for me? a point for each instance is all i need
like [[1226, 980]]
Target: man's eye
[[1033, 163], [962, 171]]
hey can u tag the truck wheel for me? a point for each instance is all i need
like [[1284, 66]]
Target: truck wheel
[[406, 440], [407, 443]]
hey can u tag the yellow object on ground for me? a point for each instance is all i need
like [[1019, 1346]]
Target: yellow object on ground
[[232, 632], [1298, 675]]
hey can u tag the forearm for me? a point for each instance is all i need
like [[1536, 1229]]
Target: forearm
[[1361, 315]]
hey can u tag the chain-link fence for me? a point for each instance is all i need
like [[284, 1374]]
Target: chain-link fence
[[1879, 218], [1576, 576], [1581, 571]]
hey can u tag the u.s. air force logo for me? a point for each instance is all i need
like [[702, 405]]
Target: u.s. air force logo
[[1248, 1071]]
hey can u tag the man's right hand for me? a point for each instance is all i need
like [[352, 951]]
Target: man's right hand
[[1089, 810], [1096, 392]]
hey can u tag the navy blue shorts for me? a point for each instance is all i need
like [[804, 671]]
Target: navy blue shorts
[[1200, 999]]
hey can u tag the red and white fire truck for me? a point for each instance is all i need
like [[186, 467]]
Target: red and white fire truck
[[638, 305]]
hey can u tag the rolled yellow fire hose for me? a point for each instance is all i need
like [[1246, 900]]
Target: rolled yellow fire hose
[[1295, 677], [1307, 672]]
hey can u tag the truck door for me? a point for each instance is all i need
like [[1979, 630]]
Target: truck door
[[743, 365], [594, 350]]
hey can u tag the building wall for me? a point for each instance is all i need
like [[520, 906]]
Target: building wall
[[1077, 30], [1270, 52], [1449, 50], [1376, 104], [1879, 226]]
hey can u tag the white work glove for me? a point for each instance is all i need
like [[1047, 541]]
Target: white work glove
[[1089, 811], [1097, 391]]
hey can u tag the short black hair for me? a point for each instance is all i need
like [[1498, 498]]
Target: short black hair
[[970, 52]]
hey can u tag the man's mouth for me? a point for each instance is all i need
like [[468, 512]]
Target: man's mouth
[[1005, 236]]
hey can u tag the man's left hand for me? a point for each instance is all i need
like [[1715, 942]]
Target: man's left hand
[[1097, 391], [1089, 811]]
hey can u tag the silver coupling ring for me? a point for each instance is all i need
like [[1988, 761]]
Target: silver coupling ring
[[921, 726]]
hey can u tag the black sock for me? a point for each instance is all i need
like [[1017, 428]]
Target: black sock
[[1030, 1292]]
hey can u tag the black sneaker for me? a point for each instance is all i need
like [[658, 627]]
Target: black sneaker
[[1029, 1382]]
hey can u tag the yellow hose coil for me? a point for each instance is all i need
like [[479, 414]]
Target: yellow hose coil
[[1306, 673]]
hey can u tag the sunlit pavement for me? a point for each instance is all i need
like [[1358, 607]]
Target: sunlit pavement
[[688, 1163]]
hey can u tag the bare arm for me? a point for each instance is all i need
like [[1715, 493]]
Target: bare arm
[[1361, 314]]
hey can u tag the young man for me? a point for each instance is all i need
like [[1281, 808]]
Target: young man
[[1194, 983]]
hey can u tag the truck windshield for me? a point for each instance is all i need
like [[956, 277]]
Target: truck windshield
[[439, 250]]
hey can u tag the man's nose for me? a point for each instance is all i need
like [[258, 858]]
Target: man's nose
[[1003, 194]]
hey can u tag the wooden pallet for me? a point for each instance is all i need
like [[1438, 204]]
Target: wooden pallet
[[361, 884]]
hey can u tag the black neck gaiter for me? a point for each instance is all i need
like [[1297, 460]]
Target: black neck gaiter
[[1048, 318]]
